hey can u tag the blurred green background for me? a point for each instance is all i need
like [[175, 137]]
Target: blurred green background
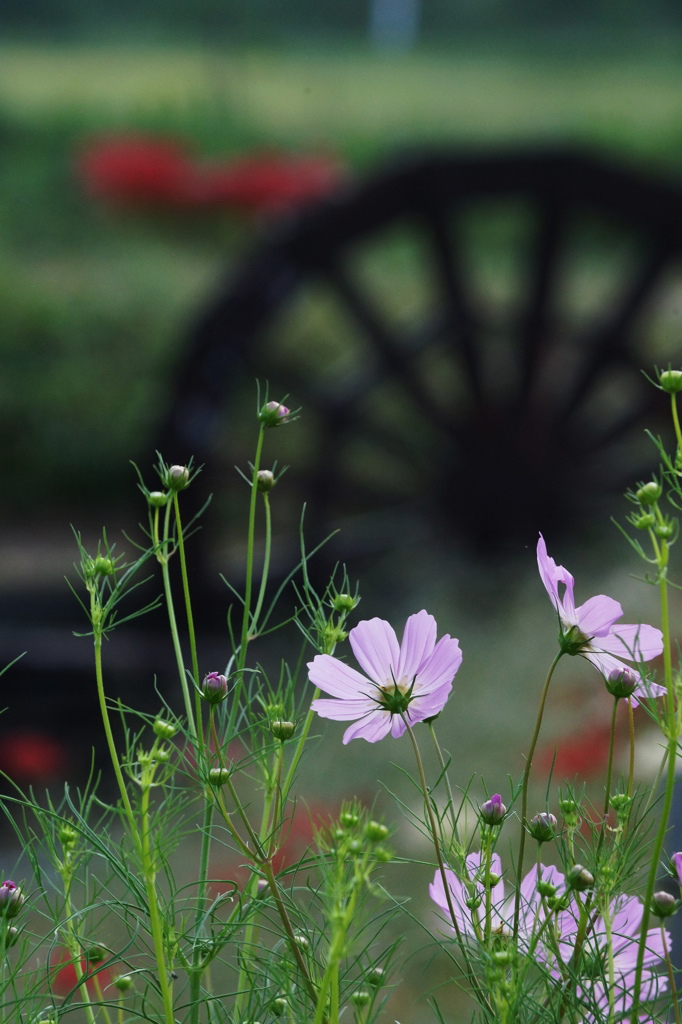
[[96, 301]]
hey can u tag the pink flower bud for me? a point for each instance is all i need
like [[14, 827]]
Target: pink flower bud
[[273, 414], [214, 687], [11, 899], [493, 811], [622, 682]]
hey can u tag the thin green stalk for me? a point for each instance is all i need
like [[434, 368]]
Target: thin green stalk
[[445, 777], [672, 737], [161, 546], [196, 972], [441, 867], [248, 583], [671, 976], [156, 927], [191, 633], [266, 562], [524, 791], [609, 766]]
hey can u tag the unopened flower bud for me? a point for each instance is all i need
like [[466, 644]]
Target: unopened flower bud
[[343, 603], [644, 521], [570, 811], [103, 566], [214, 687], [279, 1006], [95, 954], [262, 887], [579, 878], [546, 889], [282, 730], [492, 812], [265, 480], [376, 977], [676, 864], [375, 831], [123, 982], [218, 776], [11, 936], [671, 381], [543, 827], [163, 729], [177, 478], [302, 941], [621, 682], [157, 499], [67, 835], [665, 530], [501, 957], [273, 414], [360, 998], [492, 880], [648, 494], [349, 819], [663, 904], [11, 899], [382, 854]]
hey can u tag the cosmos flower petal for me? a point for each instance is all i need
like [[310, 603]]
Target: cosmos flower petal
[[553, 576], [636, 643], [342, 710], [376, 648], [337, 679], [441, 666], [606, 663], [419, 640], [372, 727], [597, 616], [429, 704]]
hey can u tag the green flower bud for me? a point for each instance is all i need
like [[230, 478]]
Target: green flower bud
[[376, 977], [279, 1006], [282, 730], [343, 603], [123, 982], [265, 480], [382, 854], [302, 941], [361, 998], [274, 414], [579, 878], [375, 831], [349, 819], [570, 812], [547, 889], [644, 521], [648, 494], [95, 954], [218, 776], [67, 835], [157, 499], [163, 729], [671, 381], [665, 530], [177, 478], [103, 566]]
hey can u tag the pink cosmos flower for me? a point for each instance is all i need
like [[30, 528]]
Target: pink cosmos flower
[[591, 631], [471, 919], [403, 683], [593, 988]]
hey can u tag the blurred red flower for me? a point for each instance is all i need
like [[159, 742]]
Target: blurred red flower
[[161, 172]]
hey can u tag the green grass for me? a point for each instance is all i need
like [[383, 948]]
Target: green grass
[[95, 303]]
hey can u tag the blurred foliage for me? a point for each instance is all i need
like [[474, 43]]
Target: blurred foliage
[[96, 301]]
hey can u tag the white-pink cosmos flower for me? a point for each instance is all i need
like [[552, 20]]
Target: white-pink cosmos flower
[[593, 631], [469, 900], [403, 683]]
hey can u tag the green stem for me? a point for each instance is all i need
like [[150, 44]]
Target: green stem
[[248, 583], [163, 558], [672, 737], [196, 972], [156, 927], [441, 867], [189, 614], [266, 563], [524, 792], [609, 767], [444, 775]]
